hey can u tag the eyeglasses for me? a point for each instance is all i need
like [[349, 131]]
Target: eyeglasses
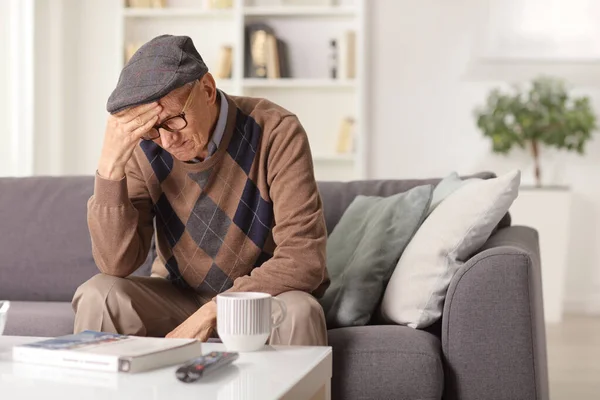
[[171, 124]]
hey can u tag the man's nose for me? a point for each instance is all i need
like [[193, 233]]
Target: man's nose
[[169, 139]]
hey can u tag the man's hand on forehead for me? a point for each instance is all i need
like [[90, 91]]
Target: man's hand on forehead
[[130, 113], [123, 132]]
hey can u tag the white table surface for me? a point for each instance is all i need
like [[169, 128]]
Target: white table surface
[[277, 372]]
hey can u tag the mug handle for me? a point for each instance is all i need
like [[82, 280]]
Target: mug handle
[[283, 309]]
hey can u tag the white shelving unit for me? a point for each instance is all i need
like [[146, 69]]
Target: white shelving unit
[[320, 101], [305, 11], [299, 83], [175, 12]]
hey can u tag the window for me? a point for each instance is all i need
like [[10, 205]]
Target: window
[[561, 30]]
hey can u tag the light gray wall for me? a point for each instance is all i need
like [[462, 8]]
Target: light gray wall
[[426, 81]]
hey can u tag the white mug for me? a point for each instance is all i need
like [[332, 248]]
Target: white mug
[[244, 320], [4, 305]]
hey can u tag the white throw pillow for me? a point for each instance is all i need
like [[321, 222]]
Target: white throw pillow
[[454, 231], [445, 188]]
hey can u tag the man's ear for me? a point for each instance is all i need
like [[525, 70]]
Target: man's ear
[[207, 82]]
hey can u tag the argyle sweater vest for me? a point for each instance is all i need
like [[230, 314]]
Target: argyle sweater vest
[[249, 218]]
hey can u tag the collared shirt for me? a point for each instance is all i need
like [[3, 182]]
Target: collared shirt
[[219, 131]]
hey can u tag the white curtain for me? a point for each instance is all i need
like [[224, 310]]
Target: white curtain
[[16, 87], [544, 29]]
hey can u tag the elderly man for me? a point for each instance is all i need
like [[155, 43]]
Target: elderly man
[[226, 183]]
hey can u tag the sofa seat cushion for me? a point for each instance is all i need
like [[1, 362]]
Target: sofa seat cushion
[[46, 251], [39, 318], [385, 362]]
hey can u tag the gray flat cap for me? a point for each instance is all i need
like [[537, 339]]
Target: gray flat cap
[[163, 64]]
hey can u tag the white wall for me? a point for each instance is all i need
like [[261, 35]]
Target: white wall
[[76, 69], [96, 76], [426, 81], [49, 87]]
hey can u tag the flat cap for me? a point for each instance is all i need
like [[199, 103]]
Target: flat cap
[[160, 66]]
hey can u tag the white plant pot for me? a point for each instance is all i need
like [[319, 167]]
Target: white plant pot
[[548, 210]]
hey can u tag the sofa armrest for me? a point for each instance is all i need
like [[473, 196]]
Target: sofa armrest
[[493, 332]]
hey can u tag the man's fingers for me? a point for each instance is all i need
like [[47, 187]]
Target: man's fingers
[[204, 334], [130, 114], [141, 130], [141, 119]]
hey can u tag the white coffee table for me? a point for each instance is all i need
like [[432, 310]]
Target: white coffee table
[[278, 372]]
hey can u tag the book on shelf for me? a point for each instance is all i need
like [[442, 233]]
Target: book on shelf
[[347, 55], [218, 4], [111, 352], [266, 54], [273, 71], [225, 63], [345, 136], [284, 60], [146, 3]]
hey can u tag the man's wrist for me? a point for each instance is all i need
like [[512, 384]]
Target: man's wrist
[[111, 171]]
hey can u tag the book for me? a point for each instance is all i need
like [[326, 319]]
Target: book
[[112, 352], [345, 137], [224, 65], [284, 62], [347, 56], [218, 4], [273, 63]]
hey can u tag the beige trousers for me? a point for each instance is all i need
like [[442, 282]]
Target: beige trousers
[[145, 306]]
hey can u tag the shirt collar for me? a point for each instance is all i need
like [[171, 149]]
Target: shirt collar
[[219, 131], [217, 135]]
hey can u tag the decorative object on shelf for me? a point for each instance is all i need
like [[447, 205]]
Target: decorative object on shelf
[[333, 58], [345, 137], [347, 55], [147, 3], [266, 55], [544, 114], [218, 4], [256, 37], [225, 63]]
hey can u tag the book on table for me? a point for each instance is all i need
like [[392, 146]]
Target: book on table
[[108, 352]]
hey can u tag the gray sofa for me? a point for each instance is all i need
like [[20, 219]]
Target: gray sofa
[[490, 343]]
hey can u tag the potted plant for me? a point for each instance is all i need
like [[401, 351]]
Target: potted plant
[[544, 115]]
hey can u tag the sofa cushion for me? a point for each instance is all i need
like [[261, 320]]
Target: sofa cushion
[[445, 188], [45, 251], [45, 319], [385, 362], [337, 196], [363, 250], [455, 230]]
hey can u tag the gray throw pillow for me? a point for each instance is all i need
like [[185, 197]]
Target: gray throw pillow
[[363, 250]]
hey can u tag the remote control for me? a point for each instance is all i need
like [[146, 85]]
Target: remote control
[[193, 370]]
